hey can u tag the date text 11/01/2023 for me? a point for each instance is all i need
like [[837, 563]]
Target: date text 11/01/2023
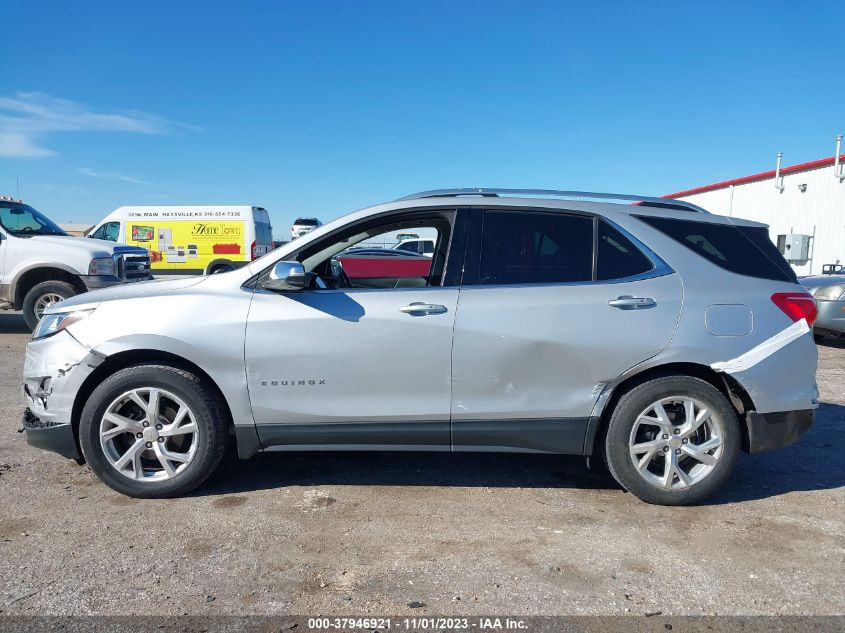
[[417, 624]]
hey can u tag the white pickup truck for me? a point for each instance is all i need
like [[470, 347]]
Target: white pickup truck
[[40, 264]]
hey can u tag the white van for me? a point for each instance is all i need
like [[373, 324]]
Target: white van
[[191, 240]]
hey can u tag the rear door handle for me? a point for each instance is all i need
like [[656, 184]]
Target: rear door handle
[[632, 303], [420, 308]]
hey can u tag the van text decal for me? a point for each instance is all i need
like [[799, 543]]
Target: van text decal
[[201, 228]]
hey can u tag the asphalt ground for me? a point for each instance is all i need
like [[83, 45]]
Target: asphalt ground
[[422, 533]]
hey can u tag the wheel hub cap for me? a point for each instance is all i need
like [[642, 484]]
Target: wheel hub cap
[[46, 301]]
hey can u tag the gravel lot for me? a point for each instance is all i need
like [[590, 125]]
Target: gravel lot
[[463, 534]]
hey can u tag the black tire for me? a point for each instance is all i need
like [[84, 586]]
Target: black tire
[[208, 412], [220, 268], [30, 300], [624, 416]]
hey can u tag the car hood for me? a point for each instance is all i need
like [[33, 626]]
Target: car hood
[[815, 282], [96, 248], [125, 291]]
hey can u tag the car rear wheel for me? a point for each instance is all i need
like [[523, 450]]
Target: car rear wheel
[[42, 296], [672, 440], [153, 431], [220, 268]]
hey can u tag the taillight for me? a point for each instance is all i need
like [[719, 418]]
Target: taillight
[[796, 305], [252, 251]]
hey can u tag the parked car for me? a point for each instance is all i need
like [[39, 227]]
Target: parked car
[[191, 240], [656, 337], [418, 246], [376, 267], [301, 226], [829, 292], [41, 265]]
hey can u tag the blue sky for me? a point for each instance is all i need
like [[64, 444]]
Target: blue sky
[[318, 108]]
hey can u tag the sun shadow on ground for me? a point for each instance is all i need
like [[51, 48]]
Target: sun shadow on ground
[[13, 324], [836, 342], [813, 463]]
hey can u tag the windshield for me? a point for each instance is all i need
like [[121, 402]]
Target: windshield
[[22, 220], [306, 222]]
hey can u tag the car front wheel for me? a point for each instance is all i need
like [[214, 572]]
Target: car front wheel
[[42, 296], [672, 440], [153, 431]]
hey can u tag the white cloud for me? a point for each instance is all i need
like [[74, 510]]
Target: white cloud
[[17, 143], [111, 175], [27, 117]]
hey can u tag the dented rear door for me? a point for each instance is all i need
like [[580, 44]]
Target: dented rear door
[[529, 360]]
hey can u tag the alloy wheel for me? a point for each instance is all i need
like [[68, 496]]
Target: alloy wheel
[[149, 434], [676, 442]]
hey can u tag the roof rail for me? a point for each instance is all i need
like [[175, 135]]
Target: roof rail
[[666, 203]]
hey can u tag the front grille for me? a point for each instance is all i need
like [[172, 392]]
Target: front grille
[[134, 267]]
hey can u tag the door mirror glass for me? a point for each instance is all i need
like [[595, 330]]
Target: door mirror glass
[[286, 276]]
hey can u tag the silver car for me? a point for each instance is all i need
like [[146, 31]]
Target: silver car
[[654, 336], [829, 292]]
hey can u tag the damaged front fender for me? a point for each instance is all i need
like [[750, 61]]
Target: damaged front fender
[[54, 370]]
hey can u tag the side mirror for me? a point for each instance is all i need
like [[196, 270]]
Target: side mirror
[[286, 276]]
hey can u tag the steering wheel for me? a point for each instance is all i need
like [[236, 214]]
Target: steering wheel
[[27, 229], [341, 278]]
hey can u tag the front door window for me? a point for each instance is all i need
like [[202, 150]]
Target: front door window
[[109, 231], [370, 257]]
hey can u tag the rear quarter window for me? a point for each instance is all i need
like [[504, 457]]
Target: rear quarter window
[[740, 249], [617, 257]]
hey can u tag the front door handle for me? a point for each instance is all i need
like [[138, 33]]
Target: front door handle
[[632, 303], [420, 308]]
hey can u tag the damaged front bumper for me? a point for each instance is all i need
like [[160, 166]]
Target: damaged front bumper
[[50, 436], [54, 370]]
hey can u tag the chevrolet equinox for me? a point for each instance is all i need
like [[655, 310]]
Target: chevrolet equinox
[[645, 332]]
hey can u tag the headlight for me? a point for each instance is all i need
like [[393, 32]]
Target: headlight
[[102, 266], [54, 323], [830, 293]]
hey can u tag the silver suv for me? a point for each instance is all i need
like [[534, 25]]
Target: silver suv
[[654, 335]]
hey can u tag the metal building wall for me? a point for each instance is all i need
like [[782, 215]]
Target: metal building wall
[[819, 210]]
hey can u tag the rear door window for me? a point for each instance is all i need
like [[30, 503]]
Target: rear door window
[[527, 247], [263, 233], [743, 250]]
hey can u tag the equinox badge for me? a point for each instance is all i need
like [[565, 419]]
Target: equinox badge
[[294, 383]]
